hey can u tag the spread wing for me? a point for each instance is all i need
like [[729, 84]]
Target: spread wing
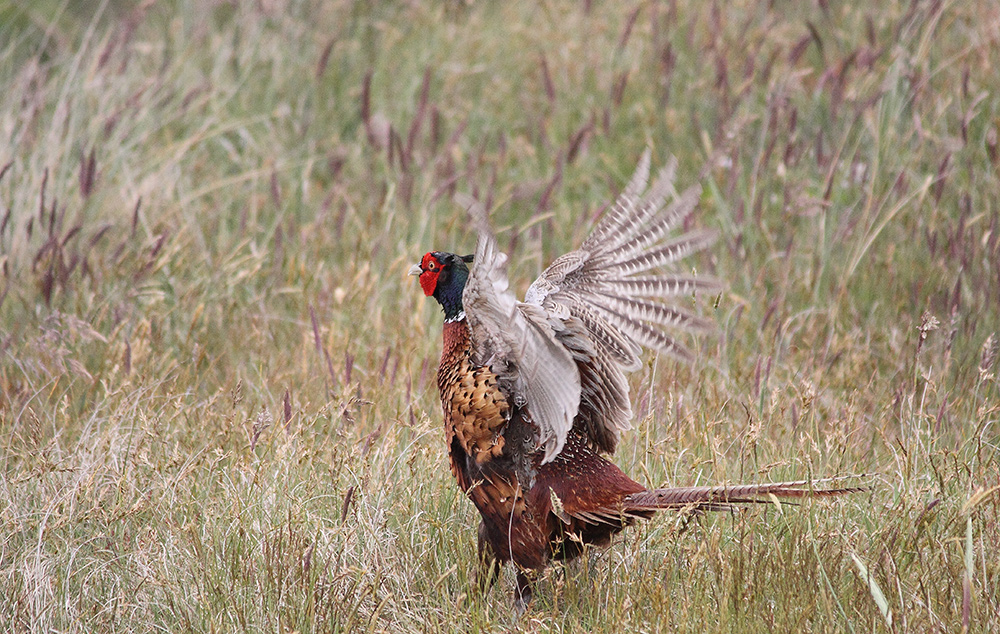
[[520, 342], [584, 321], [615, 292]]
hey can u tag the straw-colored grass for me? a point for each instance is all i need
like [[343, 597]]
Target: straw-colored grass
[[218, 402]]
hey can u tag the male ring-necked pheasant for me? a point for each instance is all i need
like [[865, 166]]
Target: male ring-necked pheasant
[[534, 392]]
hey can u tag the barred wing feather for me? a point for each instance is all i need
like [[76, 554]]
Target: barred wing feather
[[588, 315]]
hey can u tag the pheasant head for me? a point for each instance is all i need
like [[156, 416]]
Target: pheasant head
[[443, 277]]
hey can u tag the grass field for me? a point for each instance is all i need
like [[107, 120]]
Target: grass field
[[218, 402]]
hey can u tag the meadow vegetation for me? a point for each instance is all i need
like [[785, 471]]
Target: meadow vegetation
[[218, 408]]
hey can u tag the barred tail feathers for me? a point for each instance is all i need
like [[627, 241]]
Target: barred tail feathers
[[728, 497]]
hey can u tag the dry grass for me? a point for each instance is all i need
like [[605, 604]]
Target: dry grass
[[218, 406]]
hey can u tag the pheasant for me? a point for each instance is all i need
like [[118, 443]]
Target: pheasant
[[534, 392]]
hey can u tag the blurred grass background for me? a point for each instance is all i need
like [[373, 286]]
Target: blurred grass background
[[218, 404]]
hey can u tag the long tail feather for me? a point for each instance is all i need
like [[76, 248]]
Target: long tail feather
[[727, 496]]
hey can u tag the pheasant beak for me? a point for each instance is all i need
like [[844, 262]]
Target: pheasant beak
[[415, 270]]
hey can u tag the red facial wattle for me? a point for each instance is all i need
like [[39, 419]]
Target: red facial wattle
[[429, 277]]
